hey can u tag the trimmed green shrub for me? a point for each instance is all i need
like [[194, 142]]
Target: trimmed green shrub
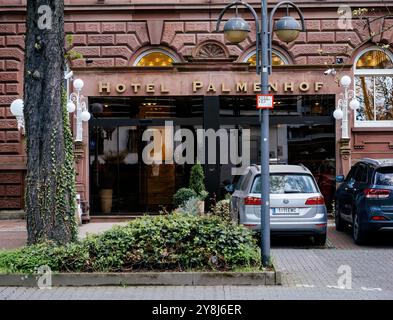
[[173, 242], [222, 209], [183, 195], [197, 180], [191, 206]]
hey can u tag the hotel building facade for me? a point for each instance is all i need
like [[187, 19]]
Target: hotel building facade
[[146, 63]]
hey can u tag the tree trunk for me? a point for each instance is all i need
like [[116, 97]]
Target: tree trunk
[[50, 180]]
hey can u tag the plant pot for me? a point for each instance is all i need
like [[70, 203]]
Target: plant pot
[[201, 205], [106, 200]]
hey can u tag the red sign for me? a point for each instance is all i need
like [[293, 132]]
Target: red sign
[[265, 101]]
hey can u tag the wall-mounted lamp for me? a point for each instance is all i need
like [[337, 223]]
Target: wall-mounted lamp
[[17, 110], [78, 102], [341, 112]]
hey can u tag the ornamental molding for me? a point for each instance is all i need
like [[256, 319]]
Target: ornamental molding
[[210, 50]]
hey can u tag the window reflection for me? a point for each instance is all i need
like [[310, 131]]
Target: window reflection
[[155, 59], [276, 60], [375, 96], [374, 59], [384, 177], [285, 105], [373, 86], [280, 184]]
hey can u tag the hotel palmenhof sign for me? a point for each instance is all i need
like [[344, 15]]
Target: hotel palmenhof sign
[[200, 87], [202, 84]]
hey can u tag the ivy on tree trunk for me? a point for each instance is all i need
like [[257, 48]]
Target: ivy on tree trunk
[[50, 178]]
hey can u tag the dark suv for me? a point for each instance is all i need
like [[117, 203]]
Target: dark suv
[[365, 198]]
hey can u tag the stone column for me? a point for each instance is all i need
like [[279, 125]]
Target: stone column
[[345, 154], [82, 177]]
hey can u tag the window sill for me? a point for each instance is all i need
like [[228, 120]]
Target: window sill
[[373, 126]]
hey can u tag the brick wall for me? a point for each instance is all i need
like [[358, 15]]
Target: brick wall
[[11, 189], [12, 160], [113, 44]]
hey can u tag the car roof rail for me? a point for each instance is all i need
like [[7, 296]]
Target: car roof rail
[[373, 161], [277, 161], [256, 166], [304, 167]]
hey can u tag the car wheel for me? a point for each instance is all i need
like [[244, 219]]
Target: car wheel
[[340, 224], [358, 233], [320, 240]]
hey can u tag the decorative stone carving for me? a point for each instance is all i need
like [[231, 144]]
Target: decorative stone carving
[[210, 50], [345, 148], [78, 152]]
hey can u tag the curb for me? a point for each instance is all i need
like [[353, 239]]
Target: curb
[[264, 278]]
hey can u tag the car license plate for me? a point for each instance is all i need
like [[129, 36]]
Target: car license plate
[[285, 211]]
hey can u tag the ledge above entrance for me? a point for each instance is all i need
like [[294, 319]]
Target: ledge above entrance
[[204, 83]]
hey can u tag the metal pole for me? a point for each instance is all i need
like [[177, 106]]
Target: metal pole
[[344, 124], [79, 125], [264, 38], [265, 175]]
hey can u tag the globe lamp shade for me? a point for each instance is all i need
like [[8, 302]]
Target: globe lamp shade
[[338, 114], [85, 116], [71, 107], [354, 104], [345, 81], [236, 30], [78, 84], [17, 107], [287, 29]]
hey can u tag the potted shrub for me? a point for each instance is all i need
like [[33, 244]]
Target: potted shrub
[[197, 183], [106, 191], [183, 195], [111, 159]]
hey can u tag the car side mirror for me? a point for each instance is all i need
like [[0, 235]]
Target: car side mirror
[[340, 178], [230, 188]]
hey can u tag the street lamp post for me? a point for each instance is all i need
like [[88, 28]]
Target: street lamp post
[[287, 29], [342, 112], [77, 102]]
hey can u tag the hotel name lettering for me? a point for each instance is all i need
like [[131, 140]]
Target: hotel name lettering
[[200, 87]]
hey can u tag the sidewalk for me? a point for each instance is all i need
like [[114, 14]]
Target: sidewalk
[[309, 272], [13, 233]]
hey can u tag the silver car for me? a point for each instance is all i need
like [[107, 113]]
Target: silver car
[[297, 205]]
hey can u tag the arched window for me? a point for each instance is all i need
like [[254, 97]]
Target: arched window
[[155, 58], [277, 59], [374, 59], [374, 87]]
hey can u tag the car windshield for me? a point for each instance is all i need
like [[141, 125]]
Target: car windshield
[[384, 176], [287, 183]]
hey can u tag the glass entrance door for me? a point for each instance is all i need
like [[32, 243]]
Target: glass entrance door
[[114, 169], [121, 181]]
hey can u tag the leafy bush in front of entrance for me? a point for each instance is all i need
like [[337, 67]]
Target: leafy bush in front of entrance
[[182, 196], [222, 209], [191, 206], [171, 242]]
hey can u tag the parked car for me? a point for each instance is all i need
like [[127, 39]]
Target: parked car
[[297, 205], [365, 199]]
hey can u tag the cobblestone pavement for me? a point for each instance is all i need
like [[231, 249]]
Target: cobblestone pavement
[[193, 293], [309, 273], [13, 232]]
